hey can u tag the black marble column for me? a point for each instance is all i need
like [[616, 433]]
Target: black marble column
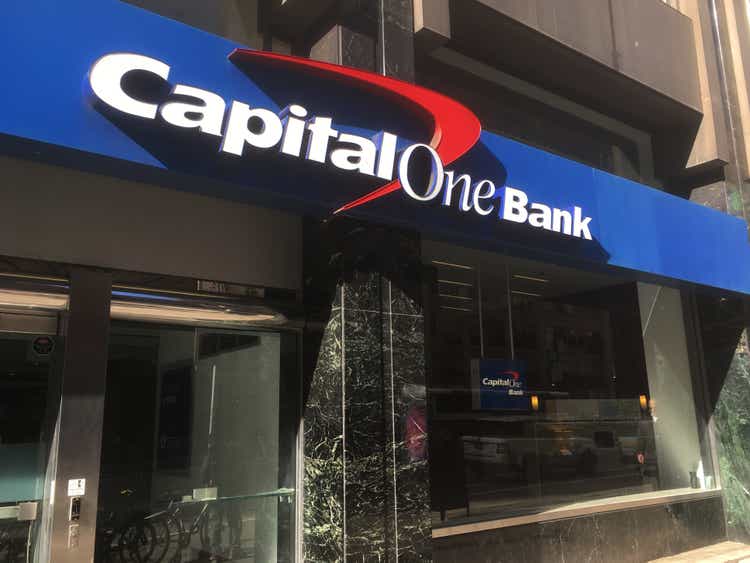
[[366, 479], [723, 323], [370, 34], [323, 415], [398, 35]]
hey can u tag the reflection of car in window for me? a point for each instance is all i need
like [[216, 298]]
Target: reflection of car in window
[[603, 452], [485, 449]]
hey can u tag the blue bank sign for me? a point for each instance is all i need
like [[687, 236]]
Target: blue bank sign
[[499, 384], [120, 83], [105, 86]]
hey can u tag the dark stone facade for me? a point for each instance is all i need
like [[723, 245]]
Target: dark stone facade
[[628, 536], [366, 494], [366, 483], [366, 480], [723, 324]]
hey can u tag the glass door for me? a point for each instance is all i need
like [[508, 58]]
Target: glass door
[[198, 447], [30, 356]]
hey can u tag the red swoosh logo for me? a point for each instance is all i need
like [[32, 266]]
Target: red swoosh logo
[[455, 128], [512, 373]]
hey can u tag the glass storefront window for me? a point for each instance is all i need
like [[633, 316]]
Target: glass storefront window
[[671, 404], [199, 446], [552, 387], [28, 409]]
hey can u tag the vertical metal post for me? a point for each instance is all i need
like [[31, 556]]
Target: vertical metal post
[[381, 33], [701, 389], [481, 311], [342, 314], [81, 414], [510, 314]]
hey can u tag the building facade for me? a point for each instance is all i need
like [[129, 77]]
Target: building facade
[[374, 280]]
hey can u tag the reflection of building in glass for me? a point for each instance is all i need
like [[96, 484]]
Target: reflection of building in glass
[[218, 311]]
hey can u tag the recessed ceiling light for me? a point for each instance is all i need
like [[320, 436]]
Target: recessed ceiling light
[[530, 278], [455, 308], [526, 293], [452, 265], [125, 310], [33, 300], [452, 282]]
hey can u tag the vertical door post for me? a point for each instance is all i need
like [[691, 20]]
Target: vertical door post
[[81, 415]]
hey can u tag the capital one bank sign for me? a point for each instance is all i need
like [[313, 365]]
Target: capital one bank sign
[[294, 132]]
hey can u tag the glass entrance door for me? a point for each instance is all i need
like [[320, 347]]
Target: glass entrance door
[[29, 360], [198, 446]]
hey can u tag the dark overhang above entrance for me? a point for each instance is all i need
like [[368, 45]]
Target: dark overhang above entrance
[[294, 18], [632, 59]]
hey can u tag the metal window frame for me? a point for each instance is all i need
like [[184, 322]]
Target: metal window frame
[[43, 304]]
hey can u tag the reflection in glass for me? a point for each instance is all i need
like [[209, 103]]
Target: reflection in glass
[[552, 387], [197, 456], [26, 420]]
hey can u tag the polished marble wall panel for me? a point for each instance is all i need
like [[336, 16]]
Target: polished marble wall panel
[[723, 323], [323, 514], [732, 430], [367, 487], [628, 536], [377, 319], [404, 357], [366, 480]]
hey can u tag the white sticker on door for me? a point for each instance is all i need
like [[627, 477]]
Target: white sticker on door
[[76, 487]]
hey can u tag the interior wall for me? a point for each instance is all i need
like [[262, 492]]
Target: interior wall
[[62, 215], [234, 431], [670, 385], [246, 426]]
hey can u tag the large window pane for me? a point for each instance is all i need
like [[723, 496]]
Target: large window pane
[[197, 452], [671, 402], [29, 401], [551, 387]]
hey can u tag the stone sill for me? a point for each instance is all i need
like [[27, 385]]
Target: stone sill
[[580, 509]]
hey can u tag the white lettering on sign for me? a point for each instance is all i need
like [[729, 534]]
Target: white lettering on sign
[[210, 112], [243, 127], [434, 184], [106, 81], [517, 209], [76, 487], [514, 205], [501, 382]]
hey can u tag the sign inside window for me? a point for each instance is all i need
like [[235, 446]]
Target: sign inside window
[[499, 384]]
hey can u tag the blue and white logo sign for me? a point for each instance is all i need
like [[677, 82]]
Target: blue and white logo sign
[[104, 86], [499, 384]]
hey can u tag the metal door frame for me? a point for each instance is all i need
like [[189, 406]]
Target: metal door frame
[[78, 310]]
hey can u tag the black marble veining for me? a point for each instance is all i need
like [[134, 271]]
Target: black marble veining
[[368, 487], [723, 324], [323, 447], [366, 479], [635, 535]]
